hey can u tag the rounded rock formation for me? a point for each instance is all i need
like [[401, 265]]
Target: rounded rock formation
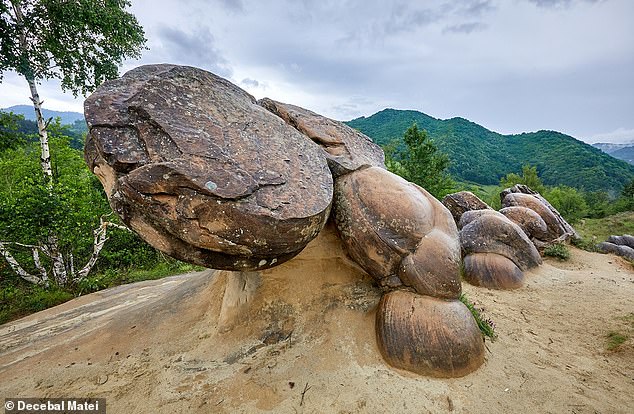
[[492, 271], [398, 232], [492, 234], [428, 336], [496, 250], [202, 172], [558, 229], [208, 175], [533, 225]]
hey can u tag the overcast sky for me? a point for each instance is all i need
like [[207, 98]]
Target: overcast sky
[[510, 65]]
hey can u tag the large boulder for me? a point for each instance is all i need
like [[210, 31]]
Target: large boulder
[[494, 234], [618, 245], [459, 203], [624, 240], [532, 223], [492, 271], [202, 172], [346, 149], [398, 232], [473, 215], [427, 335], [558, 229], [496, 251], [408, 241]]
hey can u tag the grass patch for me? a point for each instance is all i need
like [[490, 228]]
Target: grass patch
[[558, 250], [23, 298], [585, 244], [593, 231], [614, 340], [620, 332], [487, 327]]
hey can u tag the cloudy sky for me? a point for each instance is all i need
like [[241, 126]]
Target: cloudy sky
[[510, 65]]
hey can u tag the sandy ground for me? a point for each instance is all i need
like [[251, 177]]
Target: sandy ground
[[304, 343]]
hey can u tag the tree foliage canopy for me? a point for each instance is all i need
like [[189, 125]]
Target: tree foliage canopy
[[528, 177], [80, 42], [10, 135], [420, 162], [29, 212]]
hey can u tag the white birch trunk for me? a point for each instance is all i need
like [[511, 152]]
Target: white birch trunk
[[19, 269], [45, 155], [51, 247], [60, 274], [38, 265], [98, 242]]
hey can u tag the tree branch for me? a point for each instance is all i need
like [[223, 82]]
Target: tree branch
[[98, 242], [19, 269]]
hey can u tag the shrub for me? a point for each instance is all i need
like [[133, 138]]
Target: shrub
[[614, 340], [569, 201], [558, 250]]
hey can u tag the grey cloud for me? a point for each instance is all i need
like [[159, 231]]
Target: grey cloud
[[477, 7], [403, 19], [250, 83], [233, 5], [558, 3], [406, 17], [193, 48], [465, 28], [347, 111]]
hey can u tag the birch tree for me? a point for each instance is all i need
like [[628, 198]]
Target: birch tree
[[81, 43]]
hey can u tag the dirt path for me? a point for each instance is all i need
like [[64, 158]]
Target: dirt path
[[156, 346]]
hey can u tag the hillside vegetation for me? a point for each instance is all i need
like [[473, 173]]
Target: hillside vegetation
[[482, 156]]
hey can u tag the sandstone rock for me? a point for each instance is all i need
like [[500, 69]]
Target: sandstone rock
[[194, 165], [624, 240], [492, 271], [346, 149], [559, 230], [398, 232], [463, 201], [469, 216], [428, 336], [554, 228], [495, 234], [208, 175], [531, 222], [619, 250]]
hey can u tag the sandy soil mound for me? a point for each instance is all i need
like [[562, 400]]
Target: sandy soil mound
[[304, 342]]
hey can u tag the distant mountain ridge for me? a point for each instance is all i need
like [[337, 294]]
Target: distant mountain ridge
[[483, 156], [67, 118], [609, 147], [626, 154], [623, 152]]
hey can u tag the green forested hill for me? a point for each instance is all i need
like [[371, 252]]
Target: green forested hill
[[484, 156]]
